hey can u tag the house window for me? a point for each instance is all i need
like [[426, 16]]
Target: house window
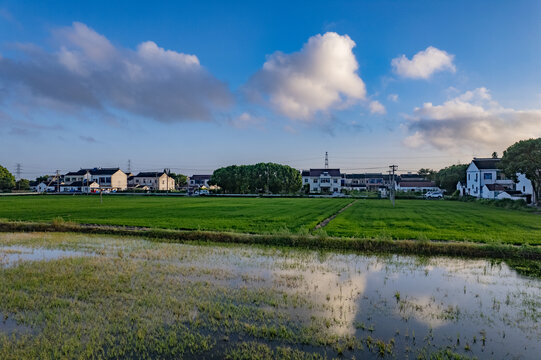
[[487, 176], [335, 181], [305, 180], [476, 177], [335, 189], [315, 181], [468, 176], [524, 189]]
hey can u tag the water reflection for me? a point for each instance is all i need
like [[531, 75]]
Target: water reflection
[[473, 306]]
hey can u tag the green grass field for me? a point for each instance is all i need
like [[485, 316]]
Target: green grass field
[[410, 219], [437, 220], [254, 215]]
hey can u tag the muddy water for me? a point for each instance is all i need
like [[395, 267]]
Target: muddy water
[[474, 307]]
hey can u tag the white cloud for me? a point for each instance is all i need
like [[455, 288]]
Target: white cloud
[[377, 108], [88, 72], [424, 63], [319, 77], [246, 120], [472, 119], [393, 97]]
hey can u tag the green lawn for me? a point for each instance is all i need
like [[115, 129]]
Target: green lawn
[[255, 215], [437, 220]]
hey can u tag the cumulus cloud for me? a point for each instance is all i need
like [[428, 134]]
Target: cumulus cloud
[[424, 63], [472, 119], [246, 120], [393, 97], [88, 72], [377, 108], [319, 77]]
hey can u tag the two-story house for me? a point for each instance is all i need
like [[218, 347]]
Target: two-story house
[[109, 178], [153, 180], [485, 171], [323, 181], [199, 181]]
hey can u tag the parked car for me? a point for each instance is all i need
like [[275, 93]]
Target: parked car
[[338, 194], [434, 195]]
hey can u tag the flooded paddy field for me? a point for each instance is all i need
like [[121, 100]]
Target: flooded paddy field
[[80, 296]]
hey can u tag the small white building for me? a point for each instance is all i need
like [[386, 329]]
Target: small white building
[[199, 181], [322, 181], [46, 187], [80, 186], [417, 186]]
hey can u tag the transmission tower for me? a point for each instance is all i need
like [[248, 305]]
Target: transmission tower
[[18, 171], [326, 160]]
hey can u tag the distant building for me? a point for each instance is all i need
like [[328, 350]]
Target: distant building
[[323, 181], [354, 182], [46, 187], [417, 186], [153, 180], [107, 178], [199, 181], [84, 186]]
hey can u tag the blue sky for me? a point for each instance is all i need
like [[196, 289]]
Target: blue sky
[[197, 85]]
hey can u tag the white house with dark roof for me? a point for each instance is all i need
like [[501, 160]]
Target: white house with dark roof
[[322, 181], [199, 181], [485, 171], [484, 179], [417, 186]]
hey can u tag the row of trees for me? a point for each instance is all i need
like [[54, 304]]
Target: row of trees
[[258, 178]]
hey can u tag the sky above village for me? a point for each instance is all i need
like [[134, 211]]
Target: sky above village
[[193, 86]]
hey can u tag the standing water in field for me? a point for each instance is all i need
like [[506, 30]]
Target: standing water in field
[[238, 300]]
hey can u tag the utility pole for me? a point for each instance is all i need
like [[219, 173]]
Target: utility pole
[[129, 166], [326, 160], [58, 181], [393, 186], [18, 172]]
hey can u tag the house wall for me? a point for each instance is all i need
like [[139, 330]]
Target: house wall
[[334, 183], [524, 184], [119, 180]]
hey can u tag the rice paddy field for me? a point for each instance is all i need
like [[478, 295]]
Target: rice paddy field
[[409, 219], [79, 296], [253, 215]]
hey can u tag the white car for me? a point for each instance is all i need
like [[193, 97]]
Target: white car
[[434, 195]]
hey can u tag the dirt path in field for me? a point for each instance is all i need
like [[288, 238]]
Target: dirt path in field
[[330, 218]]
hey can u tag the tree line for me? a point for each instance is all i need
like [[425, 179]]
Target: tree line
[[258, 178]]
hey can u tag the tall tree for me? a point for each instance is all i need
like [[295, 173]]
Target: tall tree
[[427, 173], [524, 157], [180, 180], [258, 178], [22, 184], [448, 177], [7, 180]]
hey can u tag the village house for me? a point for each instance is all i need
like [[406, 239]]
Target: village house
[[323, 181], [199, 181], [153, 181], [484, 179], [84, 186], [417, 186]]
